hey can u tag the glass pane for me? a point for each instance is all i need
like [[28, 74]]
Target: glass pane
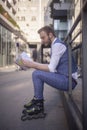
[[60, 24], [3, 40], [9, 47]]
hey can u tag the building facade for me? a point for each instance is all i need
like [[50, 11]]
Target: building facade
[[64, 14], [59, 13], [9, 32], [73, 13], [30, 17]]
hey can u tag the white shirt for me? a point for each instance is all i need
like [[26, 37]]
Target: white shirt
[[57, 51]]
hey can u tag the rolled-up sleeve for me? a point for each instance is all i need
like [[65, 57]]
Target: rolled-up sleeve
[[57, 51]]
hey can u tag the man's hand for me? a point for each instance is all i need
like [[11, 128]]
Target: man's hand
[[27, 63]]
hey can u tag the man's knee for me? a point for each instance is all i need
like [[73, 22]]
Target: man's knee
[[35, 73]]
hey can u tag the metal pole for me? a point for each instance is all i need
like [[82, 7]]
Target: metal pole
[[70, 66], [84, 66]]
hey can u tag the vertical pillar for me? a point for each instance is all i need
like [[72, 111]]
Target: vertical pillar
[[39, 52], [84, 65], [17, 46]]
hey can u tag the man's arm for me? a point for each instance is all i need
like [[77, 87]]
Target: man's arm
[[35, 65], [57, 51]]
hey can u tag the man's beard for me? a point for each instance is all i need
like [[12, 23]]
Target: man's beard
[[49, 42]]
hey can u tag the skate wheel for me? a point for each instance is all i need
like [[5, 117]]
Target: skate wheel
[[24, 111], [24, 117], [43, 115], [37, 116], [30, 117]]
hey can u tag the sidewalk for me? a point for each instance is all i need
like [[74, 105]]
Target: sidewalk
[[8, 69], [16, 89]]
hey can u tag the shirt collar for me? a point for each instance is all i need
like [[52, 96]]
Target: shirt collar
[[54, 40]]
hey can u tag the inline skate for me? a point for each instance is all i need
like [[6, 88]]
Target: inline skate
[[33, 110]]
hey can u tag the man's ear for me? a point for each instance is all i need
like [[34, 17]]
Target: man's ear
[[50, 35]]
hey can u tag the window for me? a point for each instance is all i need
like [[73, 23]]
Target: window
[[33, 18], [18, 9], [18, 18], [60, 24], [3, 0], [27, 24], [23, 18], [3, 41]]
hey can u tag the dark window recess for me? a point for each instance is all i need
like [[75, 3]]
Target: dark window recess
[[8, 5]]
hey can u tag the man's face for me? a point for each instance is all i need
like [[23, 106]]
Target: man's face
[[45, 38]]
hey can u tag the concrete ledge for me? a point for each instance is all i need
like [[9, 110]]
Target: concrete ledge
[[74, 119]]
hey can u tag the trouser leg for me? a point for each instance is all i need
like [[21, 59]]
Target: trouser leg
[[55, 80], [38, 84]]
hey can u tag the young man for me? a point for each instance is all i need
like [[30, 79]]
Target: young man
[[54, 74]]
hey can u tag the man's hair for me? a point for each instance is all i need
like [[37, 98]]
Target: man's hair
[[47, 29]]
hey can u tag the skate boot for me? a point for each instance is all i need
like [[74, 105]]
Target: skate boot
[[34, 110], [32, 102]]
